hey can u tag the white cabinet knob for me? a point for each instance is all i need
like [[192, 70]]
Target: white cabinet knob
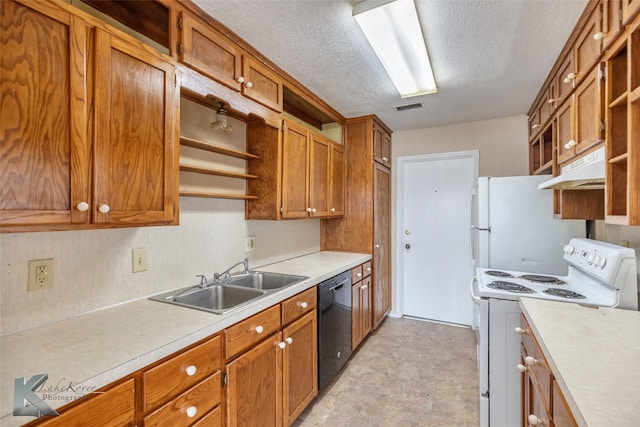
[[104, 208], [363, 287], [551, 101], [259, 329], [368, 269], [359, 274], [192, 411], [570, 77], [570, 144], [248, 85], [521, 367], [282, 345], [535, 126], [82, 206], [530, 361], [385, 159], [191, 370], [240, 79], [303, 304], [309, 210], [599, 35], [289, 340], [333, 210], [313, 210], [519, 330], [377, 246], [533, 420]]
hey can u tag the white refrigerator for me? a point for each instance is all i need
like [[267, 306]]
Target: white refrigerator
[[514, 229]]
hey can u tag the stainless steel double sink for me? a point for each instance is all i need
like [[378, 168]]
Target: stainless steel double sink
[[233, 292]]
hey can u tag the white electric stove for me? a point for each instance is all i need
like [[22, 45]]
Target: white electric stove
[[599, 275]]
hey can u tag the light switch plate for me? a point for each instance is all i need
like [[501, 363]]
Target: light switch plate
[[40, 274], [139, 260]]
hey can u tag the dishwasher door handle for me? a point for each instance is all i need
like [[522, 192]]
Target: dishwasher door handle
[[339, 285]]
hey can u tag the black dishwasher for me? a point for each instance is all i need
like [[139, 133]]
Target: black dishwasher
[[334, 326]]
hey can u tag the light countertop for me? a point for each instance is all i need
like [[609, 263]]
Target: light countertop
[[594, 354], [94, 349]]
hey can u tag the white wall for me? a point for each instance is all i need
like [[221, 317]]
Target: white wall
[[93, 267]]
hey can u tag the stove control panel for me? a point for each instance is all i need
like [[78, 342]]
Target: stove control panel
[[600, 259]]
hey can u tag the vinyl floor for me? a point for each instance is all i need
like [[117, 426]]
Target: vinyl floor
[[409, 373]]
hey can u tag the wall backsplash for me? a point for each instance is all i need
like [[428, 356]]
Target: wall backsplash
[[93, 268]]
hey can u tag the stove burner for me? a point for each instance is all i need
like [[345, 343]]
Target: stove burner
[[563, 293], [498, 273], [546, 280], [510, 287]]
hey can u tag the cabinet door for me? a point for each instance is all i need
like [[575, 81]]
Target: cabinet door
[[337, 180], [381, 293], [563, 82], [319, 176], [135, 137], [587, 49], [254, 391], [295, 184], [261, 84], [611, 21], [365, 298], [564, 131], [381, 146], [209, 52], [630, 8], [44, 152], [300, 366], [588, 112]]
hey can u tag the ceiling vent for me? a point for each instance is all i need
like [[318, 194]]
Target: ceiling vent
[[408, 107]]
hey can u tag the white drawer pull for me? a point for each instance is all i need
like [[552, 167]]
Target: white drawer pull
[[519, 330], [259, 329], [533, 420], [82, 206], [521, 367], [289, 340], [191, 370], [303, 304], [530, 361], [282, 344], [104, 208], [359, 274], [192, 411], [368, 268]]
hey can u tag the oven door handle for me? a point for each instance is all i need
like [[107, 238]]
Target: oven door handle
[[476, 299]]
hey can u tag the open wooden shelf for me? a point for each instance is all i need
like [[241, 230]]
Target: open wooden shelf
[[190, 142], [620, 158], [218, 172], [192, 193], [634, 96], [619, 101]]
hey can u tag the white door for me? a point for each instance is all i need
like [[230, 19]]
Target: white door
[[435, 207]]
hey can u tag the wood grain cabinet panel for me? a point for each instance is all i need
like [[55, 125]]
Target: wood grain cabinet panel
[[44, 154], [295, 171], [337, 188], [562, 416], [245, 334], [319, 176], [300, 366], [112, 408], [262, 84], [93, 141], [360, 310], [254, 386], [630, 9], [381, 292], [298, 305]]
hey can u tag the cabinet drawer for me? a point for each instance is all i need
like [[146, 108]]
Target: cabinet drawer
[[200, 399], [297, 305], [112, 408], [177, 374], [539, 369], [356, 274], [212, 419], [245, 334], [366, 269]]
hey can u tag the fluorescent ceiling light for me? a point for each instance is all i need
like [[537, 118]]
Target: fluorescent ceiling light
[[393, 30]]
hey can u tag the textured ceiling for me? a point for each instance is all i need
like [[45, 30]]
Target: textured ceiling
[[490, 57]]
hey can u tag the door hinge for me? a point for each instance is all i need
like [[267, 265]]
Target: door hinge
[[180, 49], [603, 126], [225, 379], [602, 72], [180, 23], [281, 209]]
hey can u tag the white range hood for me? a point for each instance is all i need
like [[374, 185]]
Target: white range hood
[[584, 174]]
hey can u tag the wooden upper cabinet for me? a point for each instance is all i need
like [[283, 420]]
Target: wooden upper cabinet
[[587, 49], [563, 83], [295, 172], [612, 25], [261, 84], [319, 165], [209, 52], [337, 180], [381, 146], [135, 134], [44, 152]]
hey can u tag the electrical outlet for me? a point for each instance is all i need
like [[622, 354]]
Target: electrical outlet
[[139, 260], [250, 244], [40, 274]]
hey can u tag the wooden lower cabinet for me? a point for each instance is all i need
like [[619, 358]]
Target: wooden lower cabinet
[[360, 303], [114, 407], [543, 401], [272, 382]]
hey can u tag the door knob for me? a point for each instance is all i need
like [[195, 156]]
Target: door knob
[[407, 246]]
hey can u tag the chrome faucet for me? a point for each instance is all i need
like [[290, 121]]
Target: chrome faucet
[[226, 275], [203, 280]]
